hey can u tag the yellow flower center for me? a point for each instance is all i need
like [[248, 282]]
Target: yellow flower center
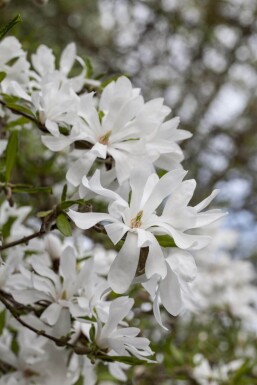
[[136, 222], [104, 139]]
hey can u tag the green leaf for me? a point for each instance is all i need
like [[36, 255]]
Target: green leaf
[[18, 122], [11, 154], [2, 321], [90, 70], [165, 241], [65, 205], [64, 193], [31, 189], [19, 108], [63, 224], [10, 25], [92, 333], [125, 359], [2, 76], [6, 229], [43, 214]]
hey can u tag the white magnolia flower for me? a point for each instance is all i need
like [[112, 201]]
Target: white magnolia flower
[[207, 375], [53, 114], [37, 361], [121, 341], [172, 289], [68, 292], [123, 127], [18, 70], [43, 62], [139, 220]]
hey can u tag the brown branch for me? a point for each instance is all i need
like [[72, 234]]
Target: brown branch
[[13, 311], [42, 231]]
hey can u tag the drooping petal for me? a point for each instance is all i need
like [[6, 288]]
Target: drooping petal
[[68, 263], [87, 220], [156, 311], [79, 169], [183, 264], [124, 267], [170, 293], [155, 263]]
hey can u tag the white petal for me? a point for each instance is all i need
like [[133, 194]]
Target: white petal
[[87, 220], [124, 267], [52, 127], [79, 169], [119, 308], [170, 293], [67, 58], [156, 311], [56, 143], [51, 314], [28, 296], [180, 197], [68, 263], [116, 231], [155, 263], [206, 201], [183, 264], [163, 188]]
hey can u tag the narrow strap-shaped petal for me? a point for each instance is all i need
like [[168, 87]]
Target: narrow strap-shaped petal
[[170, 293], [119, 308], [87, 220], [67, 58], [124, 267]]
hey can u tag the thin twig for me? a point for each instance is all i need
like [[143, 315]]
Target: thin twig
[[23, 240], [8, 306]]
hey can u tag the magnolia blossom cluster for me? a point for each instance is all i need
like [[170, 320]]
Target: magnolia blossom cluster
[[224, 283], [119, 150]]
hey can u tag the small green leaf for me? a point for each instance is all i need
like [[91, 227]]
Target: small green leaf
[[92, 333], [6, 228], [11, 154], [2, 321], [90, 70], [19, 108], [63, 224], [65, 205], [64, 193], [2, 76], [10, 25], [125, 359], [165, 241], [18, 122], [31, 189], [43, 214]]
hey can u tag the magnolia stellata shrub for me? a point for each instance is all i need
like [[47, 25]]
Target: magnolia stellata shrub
[[67, 302]]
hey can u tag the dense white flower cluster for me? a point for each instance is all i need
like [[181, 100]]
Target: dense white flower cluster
[[65, 303], [223, 282]]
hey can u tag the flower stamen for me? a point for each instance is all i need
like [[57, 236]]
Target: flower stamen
[[136, 222], [104, 139]]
